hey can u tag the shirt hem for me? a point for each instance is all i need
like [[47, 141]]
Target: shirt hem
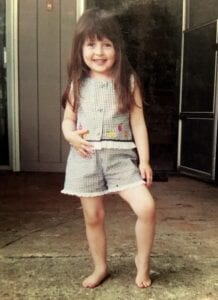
[[112, 145]]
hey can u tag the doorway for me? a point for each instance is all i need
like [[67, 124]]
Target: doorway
[[198, 103], [152, 34]]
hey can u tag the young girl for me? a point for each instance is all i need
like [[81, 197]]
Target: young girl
[[104, 124]]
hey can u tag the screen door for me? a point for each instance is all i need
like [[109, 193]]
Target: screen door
[[198, 103]]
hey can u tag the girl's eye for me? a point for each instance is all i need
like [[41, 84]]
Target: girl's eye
[[108, 45], [90, 44]]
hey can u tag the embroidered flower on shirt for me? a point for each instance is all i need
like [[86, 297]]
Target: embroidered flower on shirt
[[120, 127], [111, 134], [126, 133]]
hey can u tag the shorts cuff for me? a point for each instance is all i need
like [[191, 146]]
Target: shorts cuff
[[101, 193], [124, 187], [78, 194]]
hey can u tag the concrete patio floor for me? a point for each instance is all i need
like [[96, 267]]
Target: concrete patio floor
[[44, 253]]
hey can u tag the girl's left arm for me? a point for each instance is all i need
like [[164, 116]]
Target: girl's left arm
[[140, 134]]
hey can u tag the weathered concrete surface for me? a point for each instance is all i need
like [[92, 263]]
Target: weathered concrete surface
[[44, 254]]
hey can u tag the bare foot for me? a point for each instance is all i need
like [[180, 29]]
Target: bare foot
[[96, 278], [143, 279]]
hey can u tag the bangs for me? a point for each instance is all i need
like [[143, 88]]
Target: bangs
[[99, 26], [94, 32]]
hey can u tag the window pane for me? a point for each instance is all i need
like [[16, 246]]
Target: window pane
[[197, 151], [202, 11], [199, 67]]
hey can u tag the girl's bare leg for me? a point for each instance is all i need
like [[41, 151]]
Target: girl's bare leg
[[142, 203], [93, 209]]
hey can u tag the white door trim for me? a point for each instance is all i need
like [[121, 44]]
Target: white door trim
[[12, 83], [80, 8], [184, 25]]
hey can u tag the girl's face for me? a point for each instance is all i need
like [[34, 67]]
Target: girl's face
[[99, 56]]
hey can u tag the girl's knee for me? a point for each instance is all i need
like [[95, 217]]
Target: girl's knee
[[94, 218], [147, 212]]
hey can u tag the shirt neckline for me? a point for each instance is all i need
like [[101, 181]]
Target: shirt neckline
[[100, 80]]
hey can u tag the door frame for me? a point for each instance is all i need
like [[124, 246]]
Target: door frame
[[12, 84], [80, 8], [185, 26]]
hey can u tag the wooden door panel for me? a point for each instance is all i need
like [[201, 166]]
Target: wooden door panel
[[44, 45]]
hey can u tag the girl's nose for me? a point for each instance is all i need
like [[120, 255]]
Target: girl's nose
[[98, 49]]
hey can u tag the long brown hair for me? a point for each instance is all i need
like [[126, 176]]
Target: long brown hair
[[99, 23]]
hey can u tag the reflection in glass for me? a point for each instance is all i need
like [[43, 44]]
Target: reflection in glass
[[202, 11], [199, 67], [196, 152]]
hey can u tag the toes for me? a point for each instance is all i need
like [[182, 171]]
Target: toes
[[140, 285], [88, 284], [93, 281], [143, 284], [147, 284]]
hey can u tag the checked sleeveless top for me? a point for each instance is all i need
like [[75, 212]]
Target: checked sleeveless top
[[98, 113]]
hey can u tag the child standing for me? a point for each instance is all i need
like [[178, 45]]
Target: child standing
[[104, 124]]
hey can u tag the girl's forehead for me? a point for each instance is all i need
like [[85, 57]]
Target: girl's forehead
[[95, 37]]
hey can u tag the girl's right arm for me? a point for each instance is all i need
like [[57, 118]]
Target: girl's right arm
[[73, 136]]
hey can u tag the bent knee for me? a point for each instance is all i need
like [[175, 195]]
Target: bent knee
[[94, 218], [147, 212]]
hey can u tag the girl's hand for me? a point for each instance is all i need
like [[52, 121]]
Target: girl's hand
[[84, 148], [146, 173]]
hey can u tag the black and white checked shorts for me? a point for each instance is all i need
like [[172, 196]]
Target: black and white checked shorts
[[107, 171]]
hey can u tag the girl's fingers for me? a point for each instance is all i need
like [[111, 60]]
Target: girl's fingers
[[149, 178], [83, 153], [147, 174], [149, 182], [81, 132], [84, 142], [87, 149]]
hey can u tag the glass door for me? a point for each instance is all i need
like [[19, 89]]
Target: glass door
[[4, 149], [198, 103]]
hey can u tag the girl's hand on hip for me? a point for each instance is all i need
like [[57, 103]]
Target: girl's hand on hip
[[76, 139], [146, 173]]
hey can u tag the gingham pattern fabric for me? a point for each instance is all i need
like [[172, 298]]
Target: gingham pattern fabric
[[107, 171], [98, 113]]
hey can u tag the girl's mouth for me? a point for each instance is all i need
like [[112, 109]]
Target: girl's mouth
[[99, 61]]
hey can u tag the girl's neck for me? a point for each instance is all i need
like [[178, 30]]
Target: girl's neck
[[100, 76]]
